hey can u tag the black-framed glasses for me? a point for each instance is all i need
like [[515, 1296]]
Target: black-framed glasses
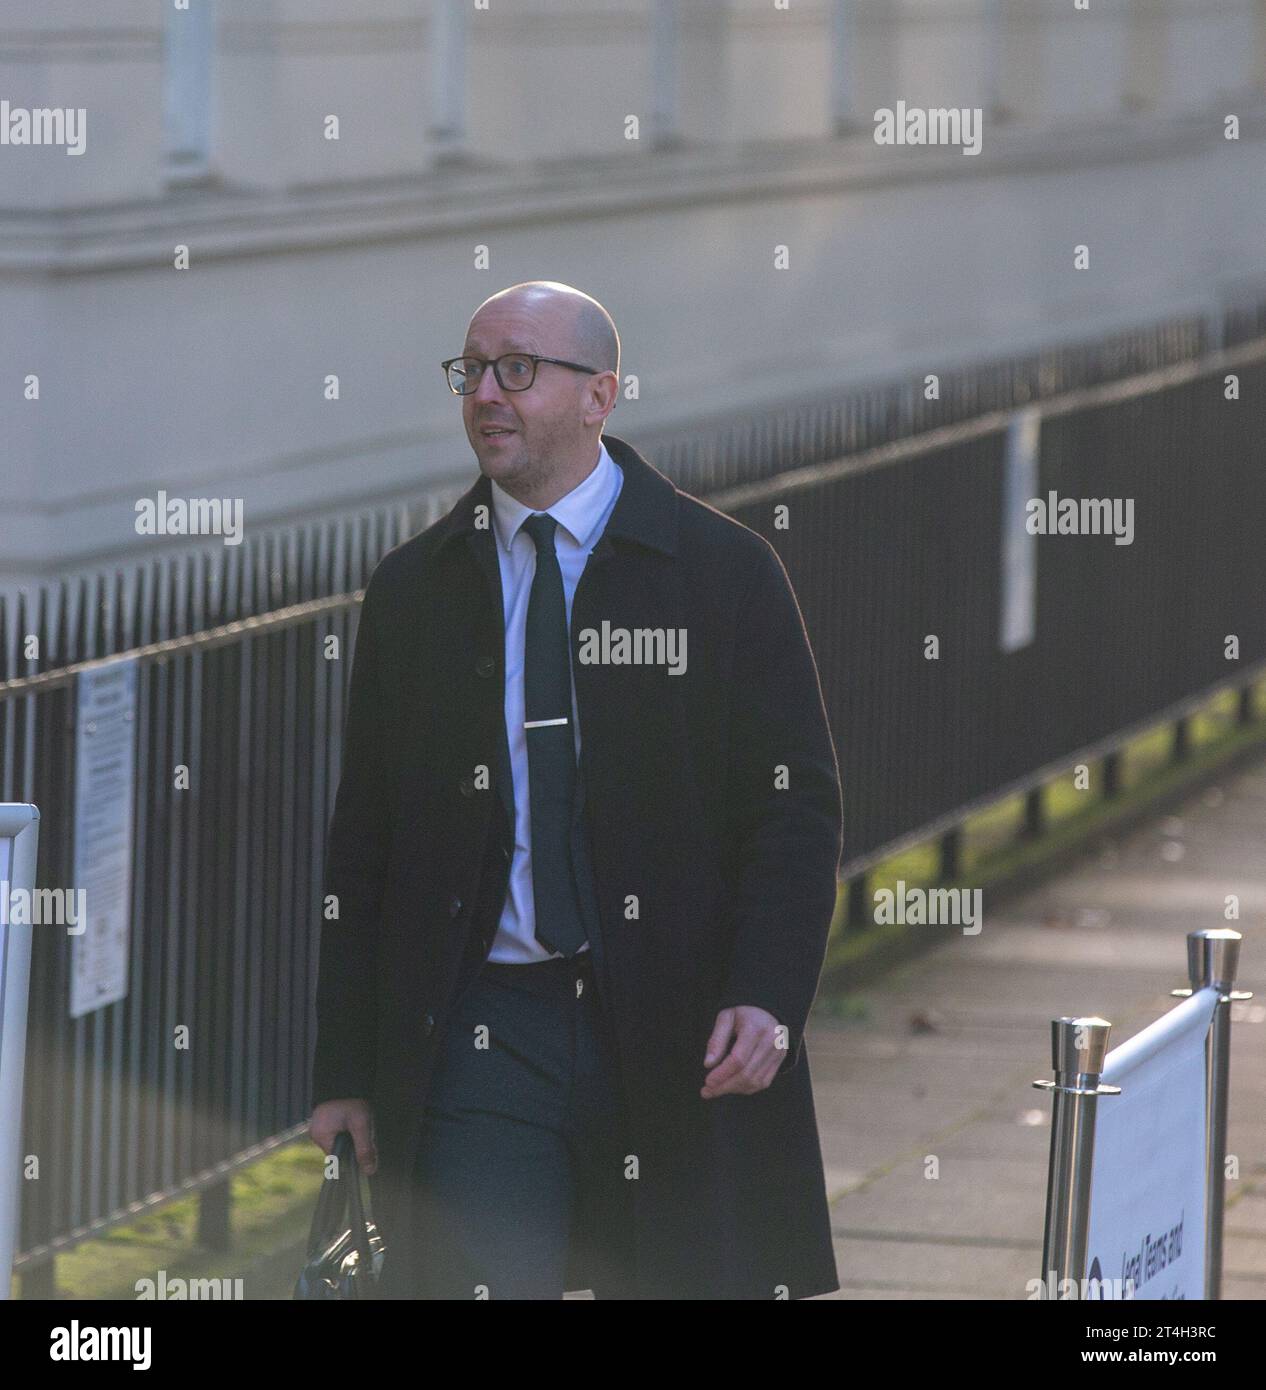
[[515, 371]]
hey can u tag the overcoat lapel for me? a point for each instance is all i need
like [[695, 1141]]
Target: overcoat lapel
[[484, 548]]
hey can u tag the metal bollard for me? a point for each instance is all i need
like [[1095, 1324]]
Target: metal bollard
[[1213, 956], [1078, 1049]]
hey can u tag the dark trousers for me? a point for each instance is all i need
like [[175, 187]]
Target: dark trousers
[[524, 1145]]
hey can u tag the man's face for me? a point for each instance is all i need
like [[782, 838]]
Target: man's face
[[543, 423]]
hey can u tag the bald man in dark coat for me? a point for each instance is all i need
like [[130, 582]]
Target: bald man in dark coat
[[584, 856]]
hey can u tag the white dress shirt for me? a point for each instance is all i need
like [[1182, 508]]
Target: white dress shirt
[[582, 517]]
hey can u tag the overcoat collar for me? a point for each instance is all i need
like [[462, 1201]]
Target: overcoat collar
[[645, 511]]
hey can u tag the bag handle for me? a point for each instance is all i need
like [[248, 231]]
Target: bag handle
[[356, 1211], [334, 1200]]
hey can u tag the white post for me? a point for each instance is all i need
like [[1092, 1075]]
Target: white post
[[449, 28], [19, 841], [664, 112], [843, 97], [993, 22], [1259, 70], [188, 46]]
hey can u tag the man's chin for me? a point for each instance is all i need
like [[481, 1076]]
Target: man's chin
[[499, 461]]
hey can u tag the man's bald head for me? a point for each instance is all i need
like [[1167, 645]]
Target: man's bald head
[[584, 331], [539, 442]]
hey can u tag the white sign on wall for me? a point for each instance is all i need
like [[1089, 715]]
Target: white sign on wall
[[1147, 1197], [1017, 623], [105, 759]]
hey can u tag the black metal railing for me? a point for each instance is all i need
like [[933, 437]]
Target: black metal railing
[[894, 545], [237, 682]]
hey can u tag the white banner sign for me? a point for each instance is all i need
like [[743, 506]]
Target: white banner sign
[[105, 736], [1147, 1198]]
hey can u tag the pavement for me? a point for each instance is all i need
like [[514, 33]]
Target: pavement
[[936, 1145]]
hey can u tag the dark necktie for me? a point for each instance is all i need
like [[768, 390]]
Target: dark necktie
[[551, 746]]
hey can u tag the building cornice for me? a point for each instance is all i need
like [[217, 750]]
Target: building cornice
[[219, 222]]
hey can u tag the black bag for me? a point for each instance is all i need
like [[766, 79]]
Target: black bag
[[344, 1259]]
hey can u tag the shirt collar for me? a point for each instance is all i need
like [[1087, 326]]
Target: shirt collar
[[578, 512]]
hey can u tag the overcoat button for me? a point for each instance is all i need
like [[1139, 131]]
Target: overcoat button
[[486, 666], [430, 1024], [454, 906], [467, 786]]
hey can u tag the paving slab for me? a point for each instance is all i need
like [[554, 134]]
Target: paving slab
[[937, 1056]]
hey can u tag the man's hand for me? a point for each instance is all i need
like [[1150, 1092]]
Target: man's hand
[[356, 1117], [752, 1063]]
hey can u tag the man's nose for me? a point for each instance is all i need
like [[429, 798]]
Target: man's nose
[[489, 388]]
